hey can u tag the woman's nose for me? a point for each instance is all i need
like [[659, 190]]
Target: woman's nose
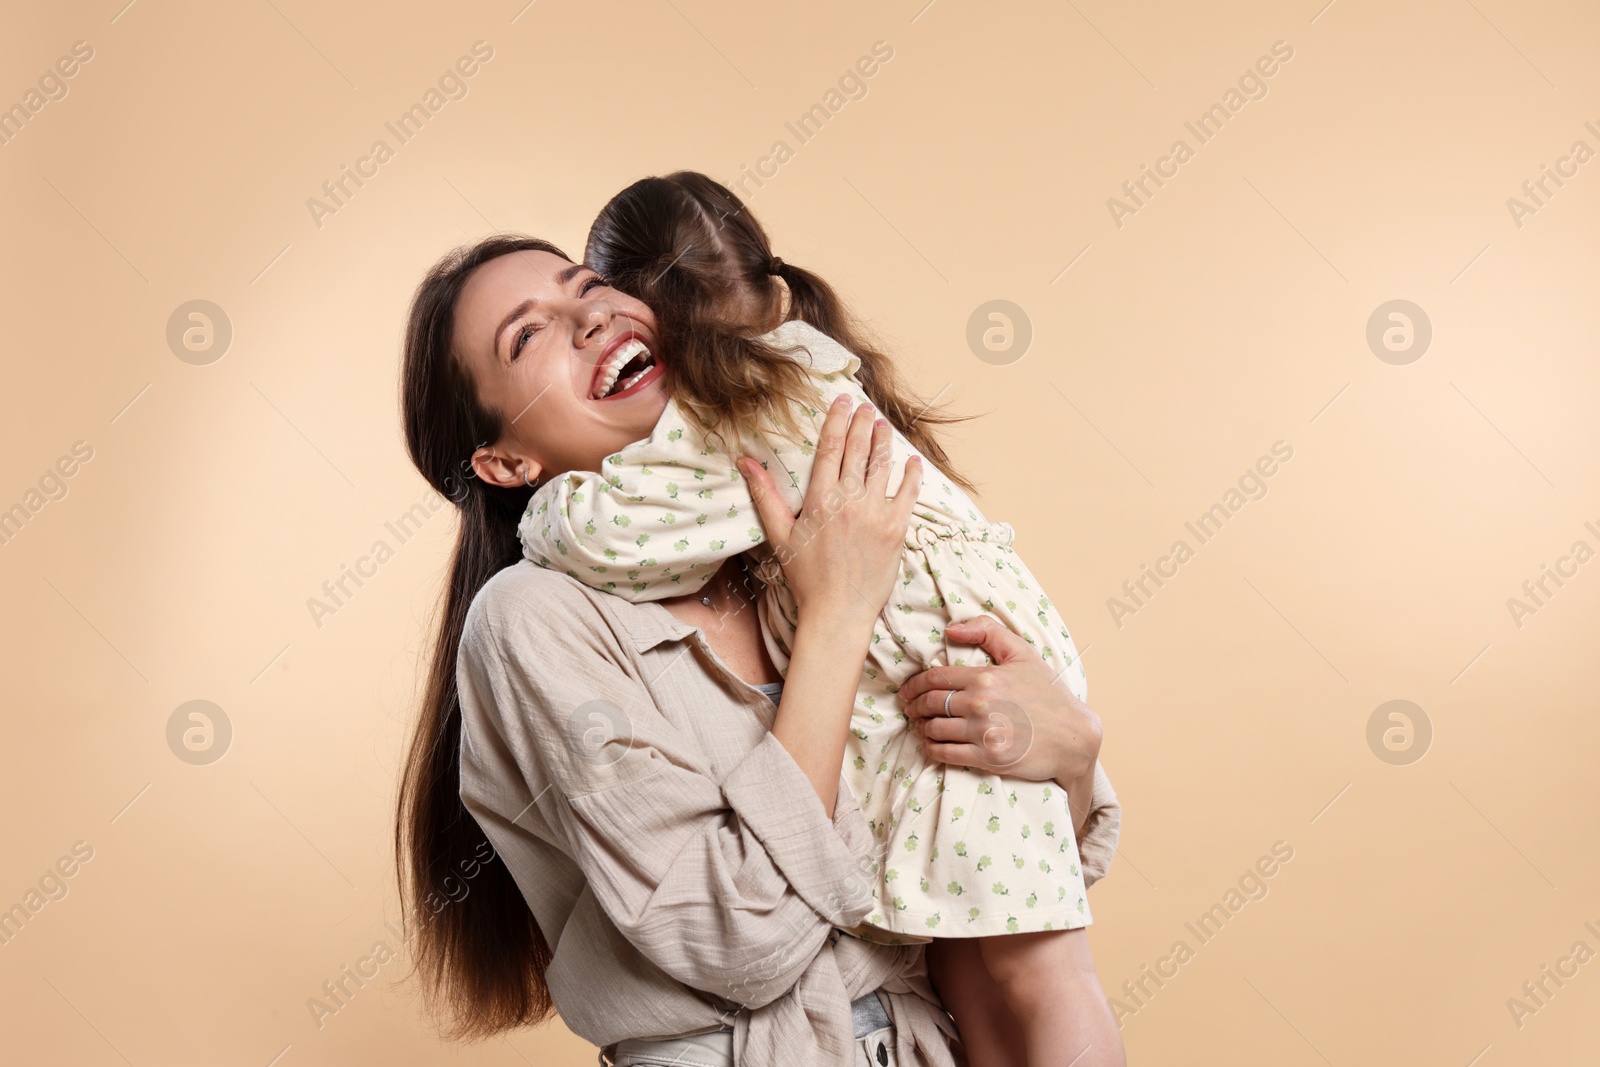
[[592, 323]]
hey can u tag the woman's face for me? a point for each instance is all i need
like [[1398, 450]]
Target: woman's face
[[568, 362]]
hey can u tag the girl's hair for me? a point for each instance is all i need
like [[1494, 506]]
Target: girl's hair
[[477, 947], [690, 250]]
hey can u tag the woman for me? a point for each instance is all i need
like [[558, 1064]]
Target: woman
[[670, 851]]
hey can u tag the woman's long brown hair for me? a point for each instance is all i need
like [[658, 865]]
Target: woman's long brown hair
[[690, 249], [476, 946]]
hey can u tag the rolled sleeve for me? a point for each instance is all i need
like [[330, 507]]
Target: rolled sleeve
[[826, 862], [1098, 843]]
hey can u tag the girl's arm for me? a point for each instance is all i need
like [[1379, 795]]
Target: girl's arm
[[840, 557], [656, 520]]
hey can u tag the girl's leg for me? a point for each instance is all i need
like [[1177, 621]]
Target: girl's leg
[[991, 1034], [1048, 981]]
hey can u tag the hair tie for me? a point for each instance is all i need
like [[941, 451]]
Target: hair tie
[[775, 266]]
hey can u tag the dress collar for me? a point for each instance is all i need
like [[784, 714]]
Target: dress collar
[[823, 353]]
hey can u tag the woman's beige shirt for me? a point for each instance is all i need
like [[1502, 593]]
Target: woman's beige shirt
[[675, 856]]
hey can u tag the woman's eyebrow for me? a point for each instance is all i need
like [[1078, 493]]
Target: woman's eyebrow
[[565, 275]]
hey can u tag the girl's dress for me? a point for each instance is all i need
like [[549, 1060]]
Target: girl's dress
[[961, 853]]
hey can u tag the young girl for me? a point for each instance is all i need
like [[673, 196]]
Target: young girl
[[962, 854]]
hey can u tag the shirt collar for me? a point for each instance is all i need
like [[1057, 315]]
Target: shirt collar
[[647, 624]]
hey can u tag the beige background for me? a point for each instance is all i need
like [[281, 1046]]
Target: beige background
[[1229, 313]]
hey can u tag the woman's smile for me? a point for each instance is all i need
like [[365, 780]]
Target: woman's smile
[[571, 367], [626, 365]]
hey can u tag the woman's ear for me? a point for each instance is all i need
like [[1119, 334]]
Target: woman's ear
[[500, 468]]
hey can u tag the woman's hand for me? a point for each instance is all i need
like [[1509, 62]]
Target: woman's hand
[[1007, 718], [841, 554], [840, 557]]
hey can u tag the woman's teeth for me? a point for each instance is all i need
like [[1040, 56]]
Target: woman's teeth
[[629, 351], [632, 378]]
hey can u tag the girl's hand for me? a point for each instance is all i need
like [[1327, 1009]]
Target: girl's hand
[[841, 554], [1007, 718]]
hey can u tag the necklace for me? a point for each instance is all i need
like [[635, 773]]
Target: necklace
[[744, 569]]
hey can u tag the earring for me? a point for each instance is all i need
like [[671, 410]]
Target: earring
[[531, 485]]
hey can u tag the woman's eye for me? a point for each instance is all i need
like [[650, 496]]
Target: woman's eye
[[590, 283], [521, 339]]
